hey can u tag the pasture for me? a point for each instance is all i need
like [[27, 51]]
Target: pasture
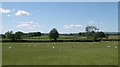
[[60, 53], [65, 37]]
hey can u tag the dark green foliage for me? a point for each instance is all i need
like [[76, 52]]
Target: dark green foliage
[[32, 34], [2, 36], [71, 34], [107, 35], [81, 34], [10, 35], [54, 34], [89, 35], [38, 33], [18, 35], [89, 31], [101, 35], [13, 37], [91, 28], [92, 34], [95, 36]]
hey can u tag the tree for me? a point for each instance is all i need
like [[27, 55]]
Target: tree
[[19, 35], [13, 37], [107, 35], [101, 35], [80, 34], [2, 36], [53, 34], [38, 33], [10, 35], [32, 34], [95, 36], [89, 31], [91, 28]]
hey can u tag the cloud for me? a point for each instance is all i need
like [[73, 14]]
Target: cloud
[[2, 10], [99, 24], [95, 23], [8, 15], [27, 25], [22, 13], [72, 26]]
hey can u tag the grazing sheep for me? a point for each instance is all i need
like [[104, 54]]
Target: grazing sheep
[[108, 46], [29, 45], [115, 47], [10, 47]]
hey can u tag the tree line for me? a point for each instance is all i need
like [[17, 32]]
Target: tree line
[[91, 32]]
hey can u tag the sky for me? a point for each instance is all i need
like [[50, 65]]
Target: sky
[[59, 0], [66, 17]]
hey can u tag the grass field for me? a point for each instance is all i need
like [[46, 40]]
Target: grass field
[[63, 37], [60, 53]]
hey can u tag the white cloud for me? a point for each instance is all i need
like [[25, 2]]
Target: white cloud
[[27, 25], [2, 10], [91, 22], [98, 24], [73, 26], [95, 23], [8, 15], [22, 13]]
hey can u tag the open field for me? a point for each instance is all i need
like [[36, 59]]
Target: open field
[[62, 37], [60, 53]]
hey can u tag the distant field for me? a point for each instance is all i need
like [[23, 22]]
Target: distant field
[[60, 37], [64, 53], [113, 37], [65, 38]]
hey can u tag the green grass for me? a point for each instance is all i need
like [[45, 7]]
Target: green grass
[[61, 37], [64, 37], [63, 53]]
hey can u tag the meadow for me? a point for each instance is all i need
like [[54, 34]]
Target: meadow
[[64, 37], [60, 53]]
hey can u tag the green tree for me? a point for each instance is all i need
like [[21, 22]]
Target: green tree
[[53, 34], [10, 35], [2, 36], [101, 35], [38, 33], [91, 28], [81, 34], [106, 35], [19, 35], [89, 31], [95, 36]]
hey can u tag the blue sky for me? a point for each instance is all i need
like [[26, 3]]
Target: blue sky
[[60, 0], [67, 17]]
